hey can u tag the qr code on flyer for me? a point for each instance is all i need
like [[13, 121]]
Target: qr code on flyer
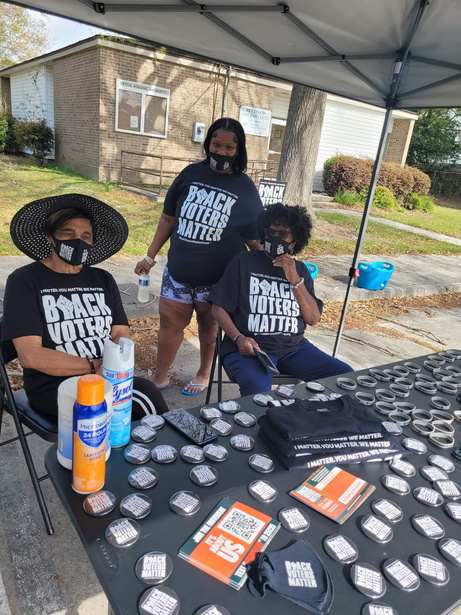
[[241, 525]]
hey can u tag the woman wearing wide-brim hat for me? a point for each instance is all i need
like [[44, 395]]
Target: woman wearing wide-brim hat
[[59, 310]]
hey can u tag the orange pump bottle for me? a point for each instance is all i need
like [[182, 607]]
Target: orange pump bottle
[[89, 435]]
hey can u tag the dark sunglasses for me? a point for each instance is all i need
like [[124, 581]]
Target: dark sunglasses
[[270, 232]]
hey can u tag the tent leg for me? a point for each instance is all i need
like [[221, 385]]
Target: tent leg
[[363, 226]]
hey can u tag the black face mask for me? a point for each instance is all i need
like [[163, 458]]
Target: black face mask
[[274, 246], [72, 251], [221, 163]]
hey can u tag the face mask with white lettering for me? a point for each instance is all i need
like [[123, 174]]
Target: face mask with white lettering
[[72, 251], [221, 163], [274, 246]]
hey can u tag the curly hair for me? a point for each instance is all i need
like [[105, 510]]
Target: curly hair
[[293, 217], [228, 124]]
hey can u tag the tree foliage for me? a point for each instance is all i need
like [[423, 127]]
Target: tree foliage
[[23, 34], [37, 136], [436, 140]]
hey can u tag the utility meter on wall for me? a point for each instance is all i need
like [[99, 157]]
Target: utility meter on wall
[[198, 132]]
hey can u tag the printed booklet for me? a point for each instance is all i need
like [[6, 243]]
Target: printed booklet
[[228, 540], [333, 492]]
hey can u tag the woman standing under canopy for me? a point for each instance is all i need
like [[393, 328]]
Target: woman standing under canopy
[[209, 214]]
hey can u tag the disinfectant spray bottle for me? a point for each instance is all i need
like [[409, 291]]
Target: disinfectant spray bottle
[[118, 369], [90, 431]]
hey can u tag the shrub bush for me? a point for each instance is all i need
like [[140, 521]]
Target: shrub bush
[[419, 202], [37, 136], [347, 197], [346, 173], [3, 131], [382, 199]]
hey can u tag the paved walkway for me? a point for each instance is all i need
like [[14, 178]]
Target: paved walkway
[[399, 225]]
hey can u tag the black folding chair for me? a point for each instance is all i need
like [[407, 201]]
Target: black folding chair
[[17, 404], [217, 358]]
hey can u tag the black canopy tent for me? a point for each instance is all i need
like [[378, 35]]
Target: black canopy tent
[[389, 53]]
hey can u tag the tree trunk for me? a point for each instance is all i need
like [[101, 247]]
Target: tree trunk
[[301, 144]]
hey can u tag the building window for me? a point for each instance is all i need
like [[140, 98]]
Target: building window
[[141, 109]]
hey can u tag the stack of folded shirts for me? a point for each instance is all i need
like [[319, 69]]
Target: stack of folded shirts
[[309, 433]]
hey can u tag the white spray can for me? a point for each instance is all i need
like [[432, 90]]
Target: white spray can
[[118, 369]]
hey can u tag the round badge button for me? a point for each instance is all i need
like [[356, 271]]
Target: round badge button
[[395, 484], [285, 391], [154, 421], [242, 442], [376, 528], [428, 526], [368, 580], [414, 445], [143, 478], [215, 452], [378, 608], [161, 600], [401, 574], [223, 426], [453, 510], [340, 548], [204, 476], [261, 399], [137, 454], [441, 462], [451, 550], [231, 406], [432, 473], [262, 491], [387, 509], [209, 413], [402, 468], [315, 386], [261, 463], [99, 503], [294, 519], [123, 532], [136, 506], [427, 496], [448, 488], [212, 609], [154, 567], [245, 419], [431, 569], [185, 503], [143, 433], [164, 453], [192, 453]]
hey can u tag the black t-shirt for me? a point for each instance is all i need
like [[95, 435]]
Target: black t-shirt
[[261, 303], [215, 213], [72, 313]]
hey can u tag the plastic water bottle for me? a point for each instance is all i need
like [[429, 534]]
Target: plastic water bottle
[[118, 369], [143, 288], [90, 432]]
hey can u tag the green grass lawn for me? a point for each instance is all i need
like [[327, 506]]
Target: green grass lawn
[[21, 182], [379, 239], [445, 220]]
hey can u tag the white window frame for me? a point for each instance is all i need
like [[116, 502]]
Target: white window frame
[[144, 90]]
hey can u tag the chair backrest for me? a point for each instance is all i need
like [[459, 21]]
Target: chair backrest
[[7, 349]]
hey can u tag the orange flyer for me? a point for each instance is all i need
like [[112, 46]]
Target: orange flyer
[[228, 540], [333, 492]]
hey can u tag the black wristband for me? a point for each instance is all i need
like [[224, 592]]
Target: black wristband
[[90, 361]]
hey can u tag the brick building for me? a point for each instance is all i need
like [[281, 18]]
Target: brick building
[[117, 107]]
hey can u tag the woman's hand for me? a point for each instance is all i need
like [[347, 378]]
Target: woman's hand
[[142, 267], [246, 345], [288, 263]]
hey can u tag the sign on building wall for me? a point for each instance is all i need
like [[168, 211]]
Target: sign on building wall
[[255, 121], [271, 191]]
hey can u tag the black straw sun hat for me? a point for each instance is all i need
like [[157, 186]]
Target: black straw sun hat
[[27, 226]]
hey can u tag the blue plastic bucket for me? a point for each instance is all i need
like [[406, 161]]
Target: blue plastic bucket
[[374, 276], [313, 269]]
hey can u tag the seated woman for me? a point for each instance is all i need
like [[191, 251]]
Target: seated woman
[[265, 299], [58, 311]]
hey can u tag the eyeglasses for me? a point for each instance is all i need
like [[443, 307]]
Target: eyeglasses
[[270, 232]]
